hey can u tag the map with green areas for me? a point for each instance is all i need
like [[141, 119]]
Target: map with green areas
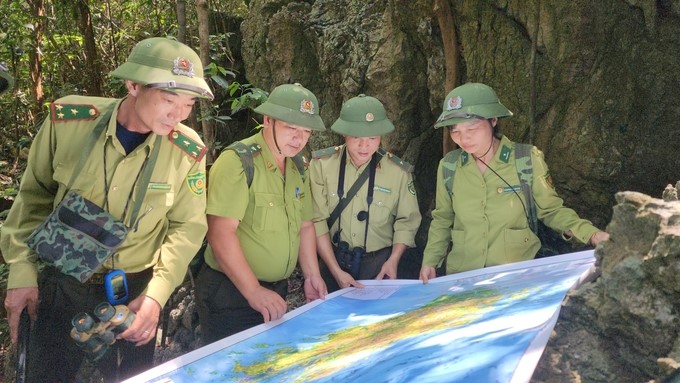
[[488, 325]]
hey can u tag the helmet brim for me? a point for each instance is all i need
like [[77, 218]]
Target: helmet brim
[[145, 75], [362, 128], [452, 117], [293, 117]]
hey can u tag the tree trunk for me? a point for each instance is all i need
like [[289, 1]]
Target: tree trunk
[[93, 73], [203, 34], [447, 26], [34, 64], [181, 21]]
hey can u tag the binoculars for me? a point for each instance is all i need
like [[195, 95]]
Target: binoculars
[[96, 337], [349, 259]]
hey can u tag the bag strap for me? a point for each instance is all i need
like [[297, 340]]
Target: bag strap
[[245, 153], [525, 173], [449, 169], [94, 135], [144, 179], [352, 191]]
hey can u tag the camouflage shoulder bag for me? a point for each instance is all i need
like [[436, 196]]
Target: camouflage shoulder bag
[[79, 235]]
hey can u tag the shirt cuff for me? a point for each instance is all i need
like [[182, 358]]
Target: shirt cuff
[[159, 290], [321, 228], [405, 237], [22, 274], [584, 232]]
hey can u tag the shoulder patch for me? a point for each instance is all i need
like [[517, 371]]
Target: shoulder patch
[[196, 182], [72, 112], [401, 163], [322, 153], [193, 149]]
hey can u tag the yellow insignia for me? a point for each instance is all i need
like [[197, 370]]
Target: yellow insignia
[[307, 106], [196, 182]]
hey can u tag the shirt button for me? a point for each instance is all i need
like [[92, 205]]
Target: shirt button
[[271, 204], [499, 190], [526, 240], [115, 188]]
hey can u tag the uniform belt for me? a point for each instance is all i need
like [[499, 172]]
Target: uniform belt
[[388, 249], [98, 278], [268, 285], [273, 285]]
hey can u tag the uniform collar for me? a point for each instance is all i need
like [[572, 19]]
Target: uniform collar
[[503, 153], [111, 132], [266, 152], [349, 159]]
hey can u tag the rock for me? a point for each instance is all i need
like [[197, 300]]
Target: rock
[[624, 327]]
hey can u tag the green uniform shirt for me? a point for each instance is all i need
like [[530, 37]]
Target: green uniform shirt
[[486, 221], [271, 211], [394, 213], [171, 221]]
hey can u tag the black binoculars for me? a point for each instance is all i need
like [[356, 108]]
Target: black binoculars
[[349, 259], [96, 337]]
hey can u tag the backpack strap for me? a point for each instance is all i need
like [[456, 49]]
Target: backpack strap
[[301, 165], [525, 173], [246, 154], [449, 168]]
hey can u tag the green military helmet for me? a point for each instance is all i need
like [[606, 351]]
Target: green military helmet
[[294, 104], [471, 101], [362, 116], [159, 62], [6, 80]]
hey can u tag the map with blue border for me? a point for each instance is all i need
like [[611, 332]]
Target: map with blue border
[[488, 325]]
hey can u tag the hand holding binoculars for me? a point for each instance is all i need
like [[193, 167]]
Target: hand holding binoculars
[[96, 337]]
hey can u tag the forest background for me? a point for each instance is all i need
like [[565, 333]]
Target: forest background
[[592, 83]]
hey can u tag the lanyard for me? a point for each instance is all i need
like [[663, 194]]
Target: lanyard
[[369, 197]]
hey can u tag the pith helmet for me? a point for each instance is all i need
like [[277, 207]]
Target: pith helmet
[[471, 101], [362, 116], [163, 63], [294, 104], [6, 80]]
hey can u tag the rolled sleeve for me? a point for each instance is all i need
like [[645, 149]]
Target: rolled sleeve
[[319, 199]]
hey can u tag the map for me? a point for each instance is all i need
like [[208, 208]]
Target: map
[[488, 325]]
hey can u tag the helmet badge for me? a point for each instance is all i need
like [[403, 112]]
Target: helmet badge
[[183, 67], [306, 106], [454, 103], [369, 117]]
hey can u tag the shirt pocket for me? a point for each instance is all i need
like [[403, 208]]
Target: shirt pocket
[[158, 200], [270, 212], [457, 258], [83, 184], [520, 245], [383, 207]]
